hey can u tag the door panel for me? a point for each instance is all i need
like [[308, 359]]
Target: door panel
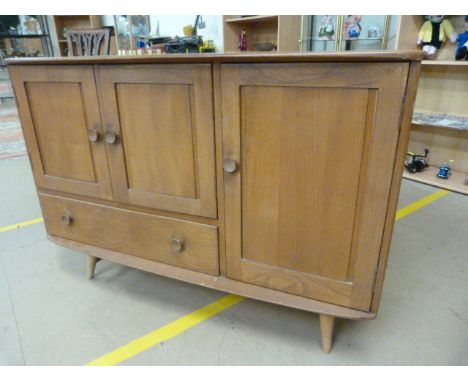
[[317, 156], [316, 144], [171, 138], [58, 107], [163, 115]]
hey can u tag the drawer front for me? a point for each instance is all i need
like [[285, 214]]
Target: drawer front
[[176, 242]]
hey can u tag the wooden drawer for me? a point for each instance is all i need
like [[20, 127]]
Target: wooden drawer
[[176, 242]]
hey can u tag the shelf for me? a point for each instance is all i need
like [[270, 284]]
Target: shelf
[[364, 39], [7, 35], [444, 63], [253, 19], [456, 182], [445, 121]]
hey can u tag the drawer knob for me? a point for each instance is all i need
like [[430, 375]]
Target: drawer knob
[[67, 219], [93, 135], [177, 244], [111, 137], [230, 165]]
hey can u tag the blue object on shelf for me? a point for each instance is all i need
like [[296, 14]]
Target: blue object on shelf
[[444, 170]]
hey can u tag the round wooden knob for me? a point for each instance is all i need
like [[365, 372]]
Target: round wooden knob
[[111, 137], [93, 135], [177, 244], [67, 219], [230, 165]]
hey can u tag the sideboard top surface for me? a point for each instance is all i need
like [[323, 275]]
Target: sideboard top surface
[[370, 56]]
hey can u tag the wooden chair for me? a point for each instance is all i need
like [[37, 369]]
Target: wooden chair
[[88, 42]]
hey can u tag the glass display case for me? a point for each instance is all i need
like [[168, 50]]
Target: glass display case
[[344, 32], [24, 36], [319, 33], [128, 28]]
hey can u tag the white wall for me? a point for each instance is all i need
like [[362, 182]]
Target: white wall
[[172, 25]]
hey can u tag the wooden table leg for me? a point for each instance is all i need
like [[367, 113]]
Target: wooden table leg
[[326, 331], [92, 266]]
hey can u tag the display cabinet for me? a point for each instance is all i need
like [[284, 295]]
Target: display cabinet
[[340, 33], [128, 28]]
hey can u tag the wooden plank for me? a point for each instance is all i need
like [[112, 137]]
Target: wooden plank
[[252, 19], [369, 56]]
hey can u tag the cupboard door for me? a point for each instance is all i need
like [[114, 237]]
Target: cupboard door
[[159, 125], [309, 151], [59, 112]]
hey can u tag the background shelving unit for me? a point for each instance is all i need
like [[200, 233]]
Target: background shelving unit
[[66, 22], [284, 30], [443, 88]]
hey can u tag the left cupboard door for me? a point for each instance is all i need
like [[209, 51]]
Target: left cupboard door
[[59, 112]]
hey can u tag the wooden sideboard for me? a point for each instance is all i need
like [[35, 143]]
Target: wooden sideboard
[[273, 176]]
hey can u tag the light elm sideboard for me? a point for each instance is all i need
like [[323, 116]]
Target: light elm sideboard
[[272, 176]]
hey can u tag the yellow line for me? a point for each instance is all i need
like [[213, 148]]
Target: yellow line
[[167, 332], [21, 225], [420, 204]]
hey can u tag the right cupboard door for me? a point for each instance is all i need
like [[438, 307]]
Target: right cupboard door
[[309, 153]]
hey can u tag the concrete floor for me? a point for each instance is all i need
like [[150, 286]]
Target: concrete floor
[[50, 314]]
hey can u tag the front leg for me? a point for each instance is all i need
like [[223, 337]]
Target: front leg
[[326, 330], [92, 266]]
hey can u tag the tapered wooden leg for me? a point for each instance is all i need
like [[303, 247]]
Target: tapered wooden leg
[[92, 266], [326, 330]]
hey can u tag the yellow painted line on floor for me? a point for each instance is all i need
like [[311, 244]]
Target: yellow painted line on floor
[[167, 332], [420, 204], [21, 225]]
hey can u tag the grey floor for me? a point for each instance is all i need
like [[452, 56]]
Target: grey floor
[[51, 315]]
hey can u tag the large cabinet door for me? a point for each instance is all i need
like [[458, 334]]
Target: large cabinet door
[[309, 153], [158, 121], [59, 112]]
